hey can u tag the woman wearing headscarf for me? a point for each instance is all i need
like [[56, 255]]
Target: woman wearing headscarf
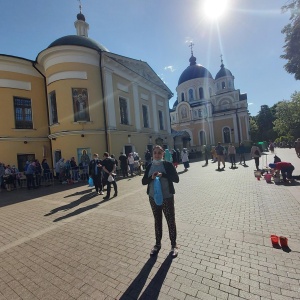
[[168, 156]]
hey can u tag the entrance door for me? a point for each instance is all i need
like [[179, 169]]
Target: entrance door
[[128, 149], [57, 156], [150, 147]]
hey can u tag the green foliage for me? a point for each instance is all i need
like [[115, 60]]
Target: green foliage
[[292, 39], [264, 122], [284, 138], [287, 120], [254, 130]]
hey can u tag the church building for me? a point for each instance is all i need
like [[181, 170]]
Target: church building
[[208, 110], [79, 98]]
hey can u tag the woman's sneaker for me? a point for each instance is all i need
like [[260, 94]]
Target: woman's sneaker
[[174, 252], [154, 251]]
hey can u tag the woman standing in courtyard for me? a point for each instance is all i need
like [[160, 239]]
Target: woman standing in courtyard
[[165, 173]]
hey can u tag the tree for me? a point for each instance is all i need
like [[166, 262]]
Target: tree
[[287, 120], [254, 129], [264, 121], [292, 39]]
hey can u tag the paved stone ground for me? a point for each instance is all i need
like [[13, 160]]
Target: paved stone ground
[[63, 242]]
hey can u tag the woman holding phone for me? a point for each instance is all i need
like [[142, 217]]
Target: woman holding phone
[[166, 173]]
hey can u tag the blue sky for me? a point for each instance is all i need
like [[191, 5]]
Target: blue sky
[[249, 38]]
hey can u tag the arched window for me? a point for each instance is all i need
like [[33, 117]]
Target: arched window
[[201, 93], [182, 96], [226, 135], [223, 85], [191, 94], [210, 91], [202, 138]]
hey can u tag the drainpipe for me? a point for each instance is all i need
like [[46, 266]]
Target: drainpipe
[[104, 106], [46, 93]]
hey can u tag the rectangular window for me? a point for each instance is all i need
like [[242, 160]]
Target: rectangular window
[[123, 111], [145, 116], [23, 113], [53, 108], [80, 104], [161, 120]]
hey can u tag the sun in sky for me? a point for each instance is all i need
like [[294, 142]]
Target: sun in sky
[[214, 9]]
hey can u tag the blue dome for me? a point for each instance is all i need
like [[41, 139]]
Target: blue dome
[[77, 40], [223, 72], [194, 71]]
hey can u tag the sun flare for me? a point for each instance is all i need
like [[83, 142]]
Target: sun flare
[[214, 9]]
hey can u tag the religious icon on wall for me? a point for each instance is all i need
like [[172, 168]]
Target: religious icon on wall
[[184, 113], [80, 104]]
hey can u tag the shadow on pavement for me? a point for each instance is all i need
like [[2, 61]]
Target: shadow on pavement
[[286, 249], [153, 289], [79, 193], [181, 172], [72, 204], [23, 194], [78, 211]]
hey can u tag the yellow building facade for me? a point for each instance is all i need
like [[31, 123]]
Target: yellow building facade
[[77, 98], [208, 110]]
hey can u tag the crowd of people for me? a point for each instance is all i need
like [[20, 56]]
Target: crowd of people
[[34, 173], [68, 171]]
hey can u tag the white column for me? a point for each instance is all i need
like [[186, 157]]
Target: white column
[[236, 137], [241, 127], [247, 126], [167, 116], [109, 100], [137, 112], [155, 112], [211, 132]]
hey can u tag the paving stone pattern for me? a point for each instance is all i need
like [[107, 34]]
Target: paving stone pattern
[[64, 242]]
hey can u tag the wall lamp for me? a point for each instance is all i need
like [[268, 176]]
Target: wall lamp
[[25, 142], [82, 135], [53, 139]]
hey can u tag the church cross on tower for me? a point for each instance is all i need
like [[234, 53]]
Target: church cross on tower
[[191, 45], [80, 6]]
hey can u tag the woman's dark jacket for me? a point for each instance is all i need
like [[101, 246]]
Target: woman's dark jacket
[[171, 175]]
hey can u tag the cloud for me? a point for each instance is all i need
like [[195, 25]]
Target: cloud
[[188, 40], [250, 103], [170, 68]]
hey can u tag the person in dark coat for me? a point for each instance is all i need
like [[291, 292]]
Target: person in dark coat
[[95, 171], [123, 164], [109, 174], [166, 174]]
